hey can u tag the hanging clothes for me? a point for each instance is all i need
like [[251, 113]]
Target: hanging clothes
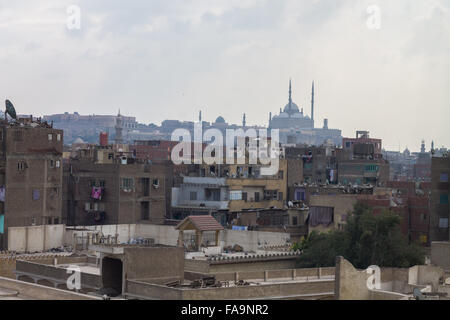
[[96, 193]]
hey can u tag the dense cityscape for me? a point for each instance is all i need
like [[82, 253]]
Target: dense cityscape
[[110, 206]]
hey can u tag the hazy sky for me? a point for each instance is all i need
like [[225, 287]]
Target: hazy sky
[[160, 60]]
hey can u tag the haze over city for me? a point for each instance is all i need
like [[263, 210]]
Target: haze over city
[[168, 60]]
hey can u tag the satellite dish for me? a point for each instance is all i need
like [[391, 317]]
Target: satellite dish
[[10, 109]]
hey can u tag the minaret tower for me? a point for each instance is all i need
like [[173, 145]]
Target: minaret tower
[[119, 129], [290, 94]]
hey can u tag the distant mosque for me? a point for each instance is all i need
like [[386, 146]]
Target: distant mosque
[[297, 128], [291, 116]]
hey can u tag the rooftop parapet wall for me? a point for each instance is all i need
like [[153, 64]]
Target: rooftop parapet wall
[[55, 274], [40, 292], [268, 275], [8, 261], [395, 283], [291, 290]]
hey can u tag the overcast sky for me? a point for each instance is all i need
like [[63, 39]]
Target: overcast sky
[[160, 60]]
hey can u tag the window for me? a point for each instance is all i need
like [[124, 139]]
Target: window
[[300, 195], [193, 195], [347, 145], [371, 168], [52, 163], [21, 165], [58, 163], [294, 221], [58, 137], [280, 174], [156, 182], [274, 195], [280, 196], [127, 183], [443, 198], [145, 211], [443, 223], [50, 137], [443, 177], [256, 196], [236, 195], [270, 195], [307, 165], [102, 183], [244, 196]]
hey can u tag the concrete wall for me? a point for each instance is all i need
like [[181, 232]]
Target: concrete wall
[[350, 284], [42, 238], [396, 283], [440, 254], [252, 240], [291, 290], [242, 265], [342, 204], [35, 238], [150, 263], [57, 275], [268, 275], [8, 263], [39, 292], [165, 235]]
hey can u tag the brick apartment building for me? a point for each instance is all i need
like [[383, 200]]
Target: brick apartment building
[[361, 161], [440, 192], [30, 175], [116, 193]]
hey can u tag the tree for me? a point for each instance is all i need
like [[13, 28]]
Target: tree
[[367, 239]]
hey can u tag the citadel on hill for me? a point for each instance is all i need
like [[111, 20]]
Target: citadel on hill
[[295, 127]]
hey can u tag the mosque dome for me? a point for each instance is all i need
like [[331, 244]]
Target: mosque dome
[[220, 119], [291, 108]]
